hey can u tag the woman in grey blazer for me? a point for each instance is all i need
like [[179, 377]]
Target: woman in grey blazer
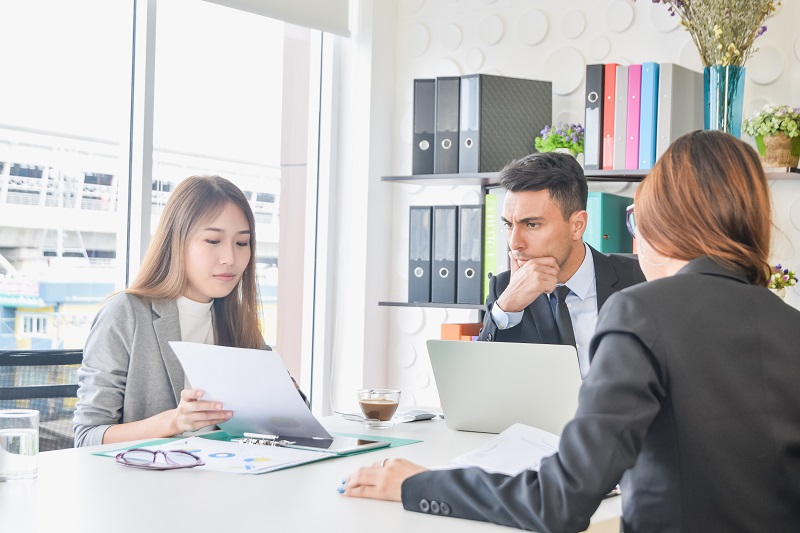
[[201, 259], [692, 402]]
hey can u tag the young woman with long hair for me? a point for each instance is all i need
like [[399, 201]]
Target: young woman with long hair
[[196, 283]]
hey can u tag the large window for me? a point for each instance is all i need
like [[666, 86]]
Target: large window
[[218, 100], [79, 179], [64, 110]]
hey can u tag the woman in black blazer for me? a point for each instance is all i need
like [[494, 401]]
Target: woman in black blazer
[[692, 403]]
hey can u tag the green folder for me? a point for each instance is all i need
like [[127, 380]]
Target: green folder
[[606, 231]]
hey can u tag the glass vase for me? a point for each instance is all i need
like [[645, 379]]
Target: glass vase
[[723, 98]]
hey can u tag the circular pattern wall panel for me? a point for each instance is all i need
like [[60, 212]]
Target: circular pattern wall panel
[[474, 60], [619, 16], [406, 354], [492, 29], [532, 27], [599, 48], [416, 40], [412, 6], [572, 24], [766, 65], [409, 319], [451, 37], [566, 68], [661, 19]]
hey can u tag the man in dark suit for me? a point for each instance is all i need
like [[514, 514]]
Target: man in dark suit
[[545, 215]]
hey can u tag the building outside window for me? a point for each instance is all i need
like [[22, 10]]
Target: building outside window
[[35, 325]]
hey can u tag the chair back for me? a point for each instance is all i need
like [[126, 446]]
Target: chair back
[[45, 380]]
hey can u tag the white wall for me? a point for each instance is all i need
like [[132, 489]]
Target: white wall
[[538, 39]]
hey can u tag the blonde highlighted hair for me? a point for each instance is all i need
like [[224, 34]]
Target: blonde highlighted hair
[[708, 196], [196, 201]]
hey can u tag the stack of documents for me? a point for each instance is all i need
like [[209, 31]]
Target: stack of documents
[[516, 449]]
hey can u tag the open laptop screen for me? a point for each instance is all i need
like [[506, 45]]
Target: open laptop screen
[[488, 386]]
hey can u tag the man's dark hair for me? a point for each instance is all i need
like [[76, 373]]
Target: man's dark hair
[[552, 171]]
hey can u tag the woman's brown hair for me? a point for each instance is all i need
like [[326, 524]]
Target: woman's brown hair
[[162, 276], [708, 196]]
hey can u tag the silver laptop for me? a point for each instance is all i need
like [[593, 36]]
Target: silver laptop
[[488, 386]]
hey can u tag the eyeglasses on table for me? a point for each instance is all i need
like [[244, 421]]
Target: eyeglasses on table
[[148, 459]]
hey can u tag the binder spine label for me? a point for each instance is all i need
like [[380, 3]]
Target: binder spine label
[[424, 126], [609, 92], [445, 156], [634, 108], [419, 254], [593, 134]]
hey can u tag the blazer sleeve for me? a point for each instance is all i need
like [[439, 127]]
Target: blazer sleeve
[[489, 330], [618, 402], [103, 375]]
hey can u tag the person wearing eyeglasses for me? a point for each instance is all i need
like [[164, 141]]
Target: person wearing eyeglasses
[[197, 283], [557, 283], [692, 404]]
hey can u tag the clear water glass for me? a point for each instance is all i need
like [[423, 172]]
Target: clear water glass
[[19, 444]]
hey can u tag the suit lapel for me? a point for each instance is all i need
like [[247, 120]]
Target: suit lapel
[[605, 277], [544, 320], [168, 328]]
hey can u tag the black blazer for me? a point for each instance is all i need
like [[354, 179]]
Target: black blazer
[[694, 395], [612, 273]]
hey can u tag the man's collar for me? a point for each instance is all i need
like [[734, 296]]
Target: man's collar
[[581, 281]]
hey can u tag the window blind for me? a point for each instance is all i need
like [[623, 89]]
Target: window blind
[[332, 16]]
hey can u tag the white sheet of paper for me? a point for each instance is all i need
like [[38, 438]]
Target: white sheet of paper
[[254, 384], [518, 448]]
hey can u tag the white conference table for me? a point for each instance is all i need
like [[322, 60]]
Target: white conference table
[[80, 492]]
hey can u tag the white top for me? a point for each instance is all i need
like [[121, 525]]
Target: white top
[[196, 324], [195, 319]]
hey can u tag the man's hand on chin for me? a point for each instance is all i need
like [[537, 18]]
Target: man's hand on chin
[[529, 279]]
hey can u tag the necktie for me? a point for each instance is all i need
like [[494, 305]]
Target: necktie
[[563, 320]]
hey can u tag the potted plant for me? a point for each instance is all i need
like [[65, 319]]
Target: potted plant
[[776, 130], [780, 279], [564, 137]]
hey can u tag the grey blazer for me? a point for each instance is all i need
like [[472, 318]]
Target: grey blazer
[[129, 371], [612, 273], [692, 402]]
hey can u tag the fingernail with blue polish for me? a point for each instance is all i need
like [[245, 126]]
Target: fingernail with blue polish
[[340, 489]]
